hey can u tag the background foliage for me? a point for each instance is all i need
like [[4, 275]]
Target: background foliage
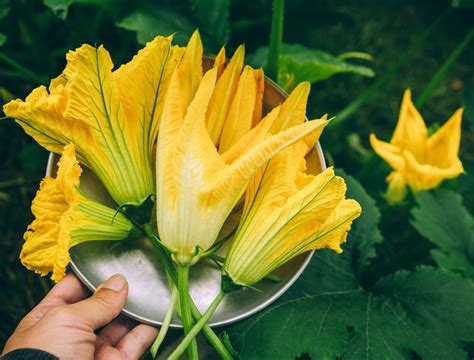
[[403, 266]]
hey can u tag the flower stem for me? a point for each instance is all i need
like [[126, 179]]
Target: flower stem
[[25, 72], [186, 316], [382, 80], [166, 323], [276, 35], [197, 327], [170, 269], [443, 70]]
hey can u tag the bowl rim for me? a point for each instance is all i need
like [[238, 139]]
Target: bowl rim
[[49, 172]]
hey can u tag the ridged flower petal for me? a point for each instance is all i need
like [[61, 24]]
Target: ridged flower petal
[[240, 118], [222, 97]]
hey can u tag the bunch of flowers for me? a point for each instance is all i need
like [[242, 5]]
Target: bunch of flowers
[[214, 152]]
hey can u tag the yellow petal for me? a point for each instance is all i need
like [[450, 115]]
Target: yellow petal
[[219, 62], [293, 109], [260, 85], [225, 89], [425, 176], [390, 153], [410, 133], [186, 159], [190, 69], [334, 231], [235, 177], [143, 83], [239, 119], [254, 136], [443, 146]]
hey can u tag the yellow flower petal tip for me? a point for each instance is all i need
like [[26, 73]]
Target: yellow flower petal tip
[[112, 117], [222, 97], [64, 217], [286, 213], [419, 161]]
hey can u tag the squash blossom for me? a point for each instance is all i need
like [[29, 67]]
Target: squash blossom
[[112, 117], [65, 217], [198, 186], [419, 161], [288, 209]]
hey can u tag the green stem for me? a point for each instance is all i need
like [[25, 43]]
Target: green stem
[[197, 327], [443, 70], [401, 60], [21, 69], [166, 323], [276, 35], [172, 273], [186, 316]]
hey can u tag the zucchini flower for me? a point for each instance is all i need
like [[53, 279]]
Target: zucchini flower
[[419, 161], [112, 117], [65, 217], [288, 210], [199, 187]]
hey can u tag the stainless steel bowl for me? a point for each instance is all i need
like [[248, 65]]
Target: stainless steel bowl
[[149, 294]]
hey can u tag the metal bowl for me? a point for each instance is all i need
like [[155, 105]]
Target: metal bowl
[[149, 294]]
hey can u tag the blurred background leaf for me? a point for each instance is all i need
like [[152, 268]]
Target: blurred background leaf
[[299, 63], [157, 20]]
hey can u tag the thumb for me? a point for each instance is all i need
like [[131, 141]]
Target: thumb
[[105, 304]]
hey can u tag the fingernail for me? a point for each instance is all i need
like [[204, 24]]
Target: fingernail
[[116, 283]]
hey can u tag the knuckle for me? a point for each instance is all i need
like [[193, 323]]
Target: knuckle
[[103, 300]]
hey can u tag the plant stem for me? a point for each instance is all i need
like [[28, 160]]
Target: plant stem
[[186, 316], [276, 35], [21, 69], [197, 327], [172, 273], [166, 323], [401, 60], [443, 70]]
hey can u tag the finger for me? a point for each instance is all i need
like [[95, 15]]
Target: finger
[[69, 290], [113, 332], [137, 341], [105, 305]]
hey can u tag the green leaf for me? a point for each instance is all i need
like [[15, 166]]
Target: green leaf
[[213, 16], [441, 218], [61, 7], [299, 63], [4, 11], [328, 314], [364, 234], [148, 23]]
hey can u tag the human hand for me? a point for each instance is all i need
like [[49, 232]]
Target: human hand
[[63, 324]]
